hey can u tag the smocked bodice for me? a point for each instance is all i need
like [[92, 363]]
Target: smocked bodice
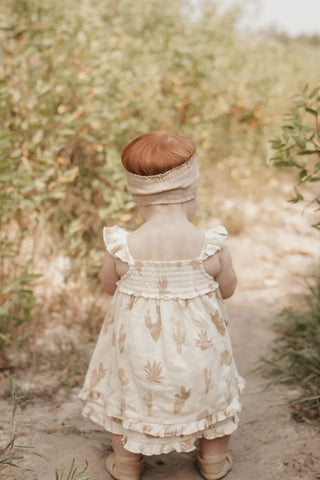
[[181, 279], [165, 279], [162, 374]]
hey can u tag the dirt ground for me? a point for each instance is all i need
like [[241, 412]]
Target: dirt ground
[[275, 254]]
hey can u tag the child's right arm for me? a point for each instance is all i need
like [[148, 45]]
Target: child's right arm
[[226, 277], [108, 275]]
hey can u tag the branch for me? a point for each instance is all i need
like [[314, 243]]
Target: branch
[[317, 127], [308, 152]]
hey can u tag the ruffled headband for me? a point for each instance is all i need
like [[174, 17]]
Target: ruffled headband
[[177, 185]]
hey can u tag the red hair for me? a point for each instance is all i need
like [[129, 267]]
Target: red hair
[[156, 152]]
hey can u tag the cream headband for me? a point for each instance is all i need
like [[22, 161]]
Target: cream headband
[[177, 185]]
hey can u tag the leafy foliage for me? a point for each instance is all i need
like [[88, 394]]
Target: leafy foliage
[[299, 144], [16, 294], [297, 359], [80, 79]]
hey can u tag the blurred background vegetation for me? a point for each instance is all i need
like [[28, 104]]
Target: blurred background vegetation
[[296, 358], [78, 81]]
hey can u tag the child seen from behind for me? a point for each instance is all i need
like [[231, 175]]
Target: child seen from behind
[[162, 376]]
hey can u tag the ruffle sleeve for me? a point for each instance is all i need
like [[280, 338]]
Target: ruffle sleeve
[[216, 238], [115, 240]]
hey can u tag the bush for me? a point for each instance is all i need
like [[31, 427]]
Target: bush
[[80, 79], [16, 295], [297, 355], [299, 144]]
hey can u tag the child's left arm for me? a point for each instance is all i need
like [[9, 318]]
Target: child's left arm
[[108, 274], [226, 278]]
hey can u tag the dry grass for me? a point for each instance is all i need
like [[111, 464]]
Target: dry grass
[[8, 451], [73, 473], [297, 355]]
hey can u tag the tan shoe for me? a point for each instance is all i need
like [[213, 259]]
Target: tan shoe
[[214, 470], [122, 469]]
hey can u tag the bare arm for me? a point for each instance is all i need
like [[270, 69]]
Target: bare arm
[[226, 277], [108, 274]]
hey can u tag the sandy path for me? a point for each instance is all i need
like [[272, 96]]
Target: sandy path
[[273, 257]]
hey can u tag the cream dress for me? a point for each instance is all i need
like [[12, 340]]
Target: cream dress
[[162, 373]]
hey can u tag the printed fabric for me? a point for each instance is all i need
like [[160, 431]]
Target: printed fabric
[[163, 373]]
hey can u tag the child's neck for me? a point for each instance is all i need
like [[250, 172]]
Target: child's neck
[[177, 212]]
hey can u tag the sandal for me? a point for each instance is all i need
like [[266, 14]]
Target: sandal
[[122, 469], [214, 470]]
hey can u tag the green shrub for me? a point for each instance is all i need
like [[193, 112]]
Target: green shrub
[[16, 300], [80, 79], [16, 295], [297, 355], [299, 144]]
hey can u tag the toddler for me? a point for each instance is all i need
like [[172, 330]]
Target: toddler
[[162, 376]]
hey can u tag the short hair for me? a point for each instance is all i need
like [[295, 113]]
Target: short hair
[[156, 152]]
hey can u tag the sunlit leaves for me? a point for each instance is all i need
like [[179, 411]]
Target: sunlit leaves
[[299, 144], [80, 79]]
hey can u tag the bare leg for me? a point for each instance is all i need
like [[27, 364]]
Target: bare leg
[[214, 449], [123, 464], [119, 449], [213, 461]]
